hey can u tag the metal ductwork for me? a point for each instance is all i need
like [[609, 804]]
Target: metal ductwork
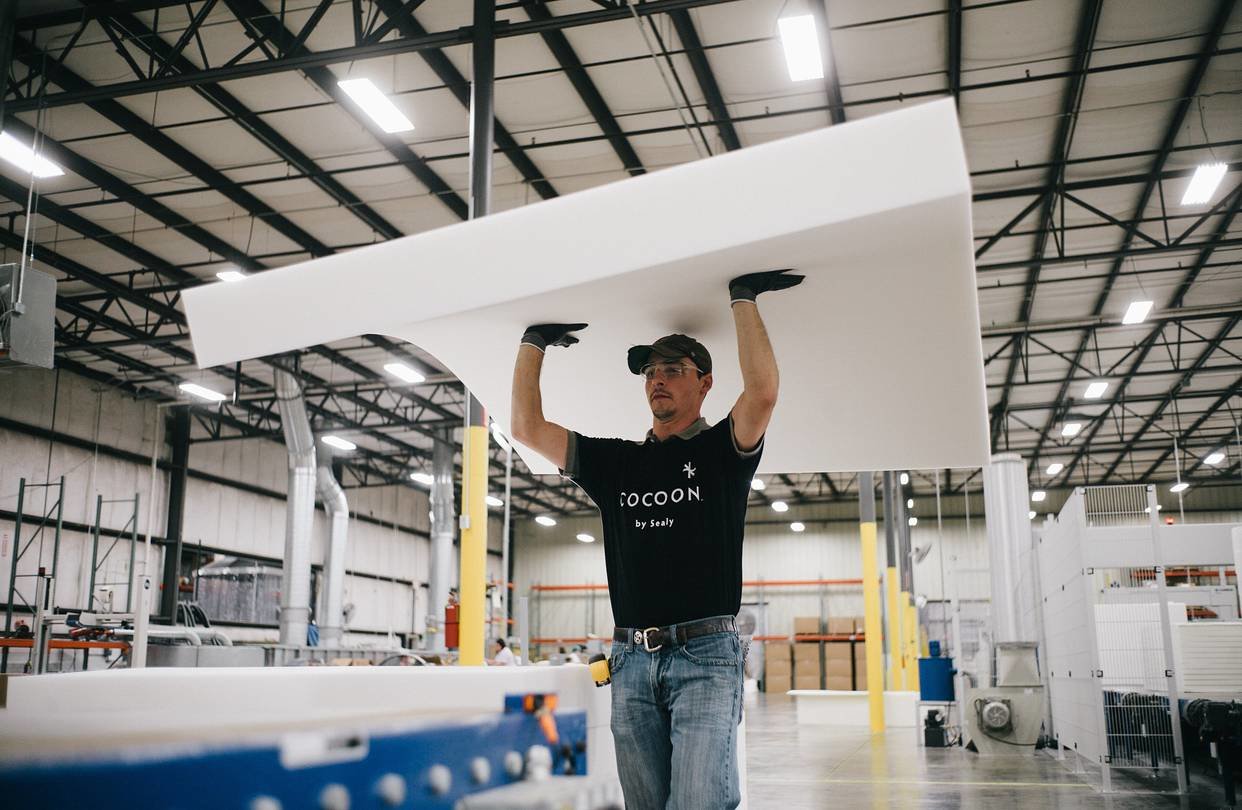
[[300, 510], [331, 620], [443, 530], [1007, 504]]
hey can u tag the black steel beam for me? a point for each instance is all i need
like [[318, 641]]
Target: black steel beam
[[1191, 432], [954, 23], [832, 82], [587, 91], [693, 47], [444, 69], [302, 61]]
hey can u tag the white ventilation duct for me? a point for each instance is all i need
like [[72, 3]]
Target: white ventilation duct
[[443, 530], [300, 510], [1007, 506], [331, 620]]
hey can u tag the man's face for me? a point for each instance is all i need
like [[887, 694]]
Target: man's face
[[674, 388]]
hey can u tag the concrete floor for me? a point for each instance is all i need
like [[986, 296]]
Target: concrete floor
[[790, 767]]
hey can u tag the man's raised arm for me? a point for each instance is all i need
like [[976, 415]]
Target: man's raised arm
[[760, 378], [529, 427]]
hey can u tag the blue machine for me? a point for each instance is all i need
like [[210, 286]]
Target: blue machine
[[431, 765], [935, 675]]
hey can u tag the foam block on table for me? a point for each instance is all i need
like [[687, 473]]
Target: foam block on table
[[875, 213]]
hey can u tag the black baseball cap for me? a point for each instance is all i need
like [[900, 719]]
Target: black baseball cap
[[670, 347]]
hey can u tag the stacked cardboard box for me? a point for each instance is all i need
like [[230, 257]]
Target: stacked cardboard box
[[806, 625], [860, 665], [842, 625], [838, 666], [777, 666], [806, 665]]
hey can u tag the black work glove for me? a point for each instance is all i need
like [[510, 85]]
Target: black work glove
[[745, 288], [543, 335]]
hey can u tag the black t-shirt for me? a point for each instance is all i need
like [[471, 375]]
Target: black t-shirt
[[674, 513]]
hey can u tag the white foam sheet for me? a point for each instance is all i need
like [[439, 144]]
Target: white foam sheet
[[880, 355]]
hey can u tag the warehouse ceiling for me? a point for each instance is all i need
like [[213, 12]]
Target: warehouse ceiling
[[201, 136]]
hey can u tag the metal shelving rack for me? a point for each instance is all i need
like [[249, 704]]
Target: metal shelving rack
[[52, 516]]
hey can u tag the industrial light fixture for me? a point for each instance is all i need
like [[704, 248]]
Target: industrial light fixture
[[1206, 178], [194, 389], [905, 479], [338, 442], [1214, 458], [1038, 495], [500, 437], [24, 158], [909, 503], [404, 373], [1095, 390], [377, 105], [426, 479], [757, 484], [1031, 515], [913, 521], [1136, 312], [583, 537], [1180, 486], [1054, 468], [544, 520], [1071, 429], [231, 275], [492, 500], [797, 526], [801, 44], [780, 506]]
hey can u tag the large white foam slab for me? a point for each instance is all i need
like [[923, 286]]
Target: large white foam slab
[[879, 349]]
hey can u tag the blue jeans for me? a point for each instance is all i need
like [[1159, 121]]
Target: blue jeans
[[675, 714]]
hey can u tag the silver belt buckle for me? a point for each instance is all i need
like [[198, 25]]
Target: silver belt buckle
[[646, 644]]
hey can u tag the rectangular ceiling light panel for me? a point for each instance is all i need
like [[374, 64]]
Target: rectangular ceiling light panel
[[25, 158], [826, 203], [801, 43], [1136, 312], [377, 105], [1203, 184]]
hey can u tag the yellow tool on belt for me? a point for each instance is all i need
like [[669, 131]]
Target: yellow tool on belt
[[599, 670]]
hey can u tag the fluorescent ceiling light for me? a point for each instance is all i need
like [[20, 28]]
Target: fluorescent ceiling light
[[492, 500], [1180, 486], [426, 479], [797, 526], [1038, 495], [586, 538], [1136, 312], [1095, 390], [1071, 429], [905, 479], [1054, 468], [757, 484], [1158, 509], [801, 43], [230, 275], [404, 373], [24, 158], [500, 437], [377, 105], [199, 391], [780, 506], [1207, 177], [1031, 515], [913, 521], [1214, 458], [338, 443], [544, 520], [909, 503]]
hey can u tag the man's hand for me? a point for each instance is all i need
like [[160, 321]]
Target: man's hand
[[747, 287], [543, 335]]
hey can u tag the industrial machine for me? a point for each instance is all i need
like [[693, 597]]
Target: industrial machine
[[1006, 718], [27, 304]]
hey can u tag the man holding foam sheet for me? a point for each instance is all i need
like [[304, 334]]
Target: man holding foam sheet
[[674, 509]]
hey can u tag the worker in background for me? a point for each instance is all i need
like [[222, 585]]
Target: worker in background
[[674, 510], [504, 655]]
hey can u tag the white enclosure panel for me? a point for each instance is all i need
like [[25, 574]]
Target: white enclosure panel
[[653, 254]]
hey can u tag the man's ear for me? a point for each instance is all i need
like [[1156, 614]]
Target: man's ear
[[705, 384]]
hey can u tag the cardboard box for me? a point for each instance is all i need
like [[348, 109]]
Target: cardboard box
[[806, 681], [839, 668], [806, 651], [781, 651], [777, 682], [837, 651], [806, 625], [838, 683], [841, 626]]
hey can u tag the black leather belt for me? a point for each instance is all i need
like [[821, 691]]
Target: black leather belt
[[655, 638]]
